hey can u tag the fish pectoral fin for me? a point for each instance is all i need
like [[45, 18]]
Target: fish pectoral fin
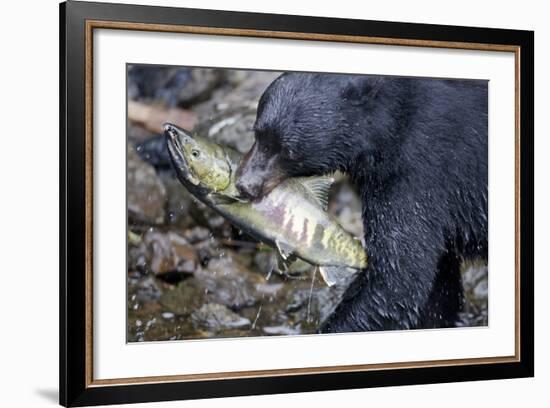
[[319, 188], [282, 264], [285, 250], [336, 274], [217, 199]]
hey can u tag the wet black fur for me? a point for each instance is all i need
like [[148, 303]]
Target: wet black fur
[[416, 149]]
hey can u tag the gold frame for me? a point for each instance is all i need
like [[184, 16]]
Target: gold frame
[[100, 24]]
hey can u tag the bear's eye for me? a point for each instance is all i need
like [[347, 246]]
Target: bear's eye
[[351, 93]]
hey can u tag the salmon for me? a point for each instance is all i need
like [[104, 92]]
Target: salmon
[[292, 218]]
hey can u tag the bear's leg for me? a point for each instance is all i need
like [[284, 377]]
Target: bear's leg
[[447, 297], [402, 301], [395, 290]]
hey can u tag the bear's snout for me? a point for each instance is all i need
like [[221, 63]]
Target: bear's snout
[[249, 187]]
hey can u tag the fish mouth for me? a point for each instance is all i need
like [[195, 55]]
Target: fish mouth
[[170, 130], [174, 142]]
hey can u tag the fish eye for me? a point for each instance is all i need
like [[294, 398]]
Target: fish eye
[[195, 153]]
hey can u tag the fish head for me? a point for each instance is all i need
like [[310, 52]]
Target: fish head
[[201, 165]]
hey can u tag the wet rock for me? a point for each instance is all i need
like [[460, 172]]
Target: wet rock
[[197, 87], [146, 194], [172, 86], [232, 127], [196, 234], [168, 253], [147, 290], [144, 80], [184, 299], [241, 89], [480, 291], [134, 238], [228, 117], [229, 281], [217, 222], [225, 281], [312, 306], [476, 291], [218, 317], [207, 217], [265, 262], [281, 330], [136, 259], [270, 289], [209, 249], [179, 203]]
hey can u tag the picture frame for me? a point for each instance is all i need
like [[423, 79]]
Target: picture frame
[[79, 20]]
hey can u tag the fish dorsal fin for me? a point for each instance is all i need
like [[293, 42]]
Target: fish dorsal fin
[[319, 188]]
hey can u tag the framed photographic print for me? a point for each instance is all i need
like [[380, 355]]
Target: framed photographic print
[[255, 203]]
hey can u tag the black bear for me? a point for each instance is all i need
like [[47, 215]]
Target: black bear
[[416, 149]]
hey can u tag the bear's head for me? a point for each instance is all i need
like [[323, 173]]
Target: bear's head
[[308, 124]]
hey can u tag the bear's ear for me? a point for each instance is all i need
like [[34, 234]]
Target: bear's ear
[[375, 86], [361, 90]]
